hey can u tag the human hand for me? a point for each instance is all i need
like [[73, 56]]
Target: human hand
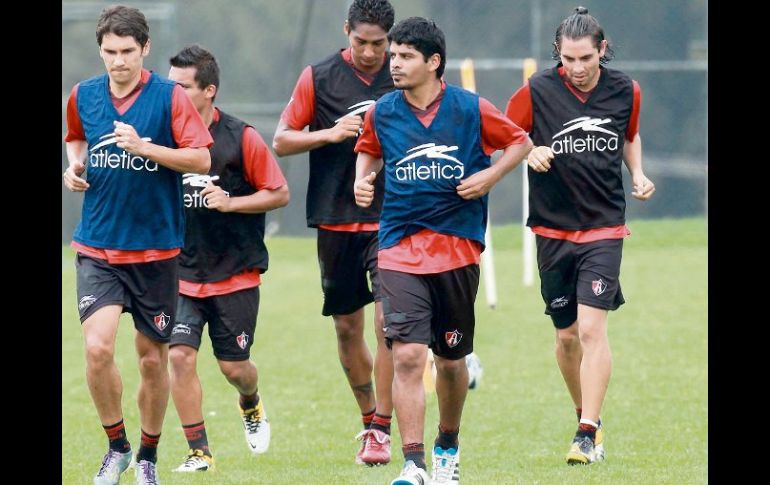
[[347, 127], [72, 177], [364, 190], [539, 158]]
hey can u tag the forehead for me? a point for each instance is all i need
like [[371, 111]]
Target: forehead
[[370, 32], [184, 75], [583, 46], [402, 48], [115, 42]]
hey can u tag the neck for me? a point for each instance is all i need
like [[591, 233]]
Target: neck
[[207, 114], [424, 94], [123, 90]]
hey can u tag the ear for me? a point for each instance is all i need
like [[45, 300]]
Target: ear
[[434, 61], [602, 47], [210, 91], [346, 28], [146, 49]]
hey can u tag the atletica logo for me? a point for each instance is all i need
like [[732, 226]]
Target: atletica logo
[[200, 181], [407, 168], [101, 157], [588, 142], [357, 109]]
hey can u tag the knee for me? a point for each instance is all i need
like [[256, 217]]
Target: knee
[[182, 358], [347, 328], [99, 355], [408, 361], [151, 364], [568, 341], [450, 369], [233, 373]]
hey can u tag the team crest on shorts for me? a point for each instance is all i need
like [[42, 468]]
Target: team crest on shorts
[[453, 338], [161, 321], [598, 286], [243, 340]]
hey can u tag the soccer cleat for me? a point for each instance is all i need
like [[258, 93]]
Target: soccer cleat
[[113, 464], [599, 443], [256, 427], [196, 461], [146, 473], [375, 449], [582, 451], [446, 466], [411, 474]]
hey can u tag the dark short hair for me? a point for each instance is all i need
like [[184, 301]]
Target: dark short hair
[[123, 21], [424, 35], [375, 12], [204, 62], [577, 26]]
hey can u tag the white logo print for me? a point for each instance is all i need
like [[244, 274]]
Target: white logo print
[[357, 108], [559, 302], [86, 302], [436, 170], [197, 180], [100, 157], [180, 328], [590, 142]]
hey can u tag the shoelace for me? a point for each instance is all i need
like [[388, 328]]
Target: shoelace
[[148, 471], [106, 462], [192, 459], [374, 442], [253, 421], [444, 472]]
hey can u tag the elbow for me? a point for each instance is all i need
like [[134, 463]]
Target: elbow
[[278, 146], [284, 196], [203, 164]]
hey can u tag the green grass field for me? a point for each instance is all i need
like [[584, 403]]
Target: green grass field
[[517, 425]]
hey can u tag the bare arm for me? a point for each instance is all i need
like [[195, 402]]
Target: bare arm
[[366, 170], [288, 141], [632, 156], [261, 201], [186, 160], [77, 151], [480, 183]]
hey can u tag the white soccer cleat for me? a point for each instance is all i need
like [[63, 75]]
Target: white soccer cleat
[[256, 428], [446, 466]]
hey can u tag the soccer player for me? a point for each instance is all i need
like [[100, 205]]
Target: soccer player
[[223, 257], [584, 120], [130, 135], [331, 97], [433, 142]]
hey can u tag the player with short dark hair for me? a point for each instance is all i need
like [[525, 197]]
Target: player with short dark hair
[[331, 97], [132, 133], [222, 261], [433, 143]]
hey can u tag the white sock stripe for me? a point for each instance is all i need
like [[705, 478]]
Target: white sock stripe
[[588, 421]]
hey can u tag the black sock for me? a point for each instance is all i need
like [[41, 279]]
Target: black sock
[[447, 438], [196, 437], [381, 423], [116, 433], [249, 402], [416, 453], [148, 450], [367, 418]]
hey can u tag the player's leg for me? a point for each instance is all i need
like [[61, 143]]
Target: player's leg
[[186, 389], [100, 303], [454, 293], [232, 329]]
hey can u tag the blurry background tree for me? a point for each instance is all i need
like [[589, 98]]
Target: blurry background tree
[[262, 45]]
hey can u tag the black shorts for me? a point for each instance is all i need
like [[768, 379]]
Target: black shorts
[[345, 258], [147, 290], [232, 319], [572, 273], [432, 309]]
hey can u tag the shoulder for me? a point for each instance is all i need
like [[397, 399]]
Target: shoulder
[[327, 61]]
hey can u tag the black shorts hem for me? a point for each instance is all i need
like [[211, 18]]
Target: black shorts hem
[[98, 306], [599, 304], [188, 344], [151, 335], [564, 320], [232, 358], [347, 310]]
